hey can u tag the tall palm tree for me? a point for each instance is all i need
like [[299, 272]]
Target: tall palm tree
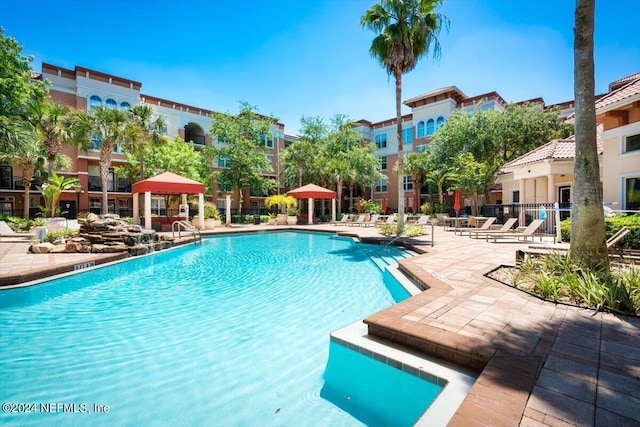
[[588, 238], [27, 153], [417, 166], [111, 127], [49, 122], [151, 128], [406, 29]]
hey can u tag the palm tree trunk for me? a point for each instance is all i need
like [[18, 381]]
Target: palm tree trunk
[[416, 192], [339, 191], [50, 161], [27, 179], [105, 163], [398, 76], [588, 237]]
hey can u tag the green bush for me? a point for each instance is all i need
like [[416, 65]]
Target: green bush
[[17, 223], [52, 236], [612, 225]]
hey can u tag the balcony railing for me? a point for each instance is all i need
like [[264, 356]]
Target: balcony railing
[[196, 139]]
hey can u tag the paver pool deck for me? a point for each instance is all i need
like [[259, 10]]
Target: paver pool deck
[[539, 363]]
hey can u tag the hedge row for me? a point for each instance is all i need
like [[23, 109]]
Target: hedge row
[[613, 224]]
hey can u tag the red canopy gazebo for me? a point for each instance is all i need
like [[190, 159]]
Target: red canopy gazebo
[[312, 191], [165, 183]]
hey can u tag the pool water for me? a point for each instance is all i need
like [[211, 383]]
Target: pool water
[[233, 332]]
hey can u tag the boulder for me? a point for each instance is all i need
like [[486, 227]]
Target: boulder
[[41, 248], [58, 249]]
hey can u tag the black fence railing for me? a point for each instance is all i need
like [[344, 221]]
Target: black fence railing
[[527, 212]]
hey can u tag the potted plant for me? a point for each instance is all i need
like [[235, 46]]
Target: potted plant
[[272, 219], [284, 203], [211, 216], [292, 215], [51, 192]]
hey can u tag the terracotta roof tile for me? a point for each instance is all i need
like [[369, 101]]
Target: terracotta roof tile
[[558, 149], [624, 92]]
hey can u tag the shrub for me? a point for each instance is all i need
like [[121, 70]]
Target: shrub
[[612, 225], [55, 235], [17, 223]]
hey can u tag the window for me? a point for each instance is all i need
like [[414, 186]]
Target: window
[[383, 163], [223, 162], [158, 207], [269, 158], [5, 177], [430, 127], [381, 140], [110, 103], [95, 143], [632, 143], [407, 136], [408, 183], [381, 186], [515, 196], [95, 206], [267, 141], [632, 193], [421, 148], [124, 106], [6, 205], [420, 129], [94, 102], [94, 179], [439, 122]]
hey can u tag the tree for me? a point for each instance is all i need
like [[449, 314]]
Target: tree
[[243, 149], [110, 127], [406, 29], [300, 159], [53, 189], [588, 238], [16, 84], [52, 126], [417, 166], [150, 127], [473, 178], [27, 155]]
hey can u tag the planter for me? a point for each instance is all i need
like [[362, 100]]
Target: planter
[[210, 223], [196, 222], [56, 224], [271, 221], [281, 219], [292, 220]]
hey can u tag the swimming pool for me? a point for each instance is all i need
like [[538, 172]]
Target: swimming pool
[[232, 332]]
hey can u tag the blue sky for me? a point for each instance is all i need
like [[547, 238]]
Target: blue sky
[[301, 57]]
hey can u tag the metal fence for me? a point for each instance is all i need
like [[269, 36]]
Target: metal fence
[[527, 212]]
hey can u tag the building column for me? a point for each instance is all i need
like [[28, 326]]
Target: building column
[[228, 210], [333, 210], [523, 195], [201, 210], [310, 211], [552, 194]]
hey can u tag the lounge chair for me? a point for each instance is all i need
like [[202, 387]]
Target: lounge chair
[[486, 226], [506, 227], [526, 234], [391, 219], [359, 221], [372, 221], [343, 221], [612, 242]]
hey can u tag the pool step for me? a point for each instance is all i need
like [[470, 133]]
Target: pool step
[[384, 256]]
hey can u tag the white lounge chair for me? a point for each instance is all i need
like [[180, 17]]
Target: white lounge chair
[[359, 221], [526, 234], [506, 227], [486, 226], [343, 221]]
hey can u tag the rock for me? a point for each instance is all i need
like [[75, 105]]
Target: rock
[[91, 217], [41, 248], [139, 250], [58, 249], [72, 247]]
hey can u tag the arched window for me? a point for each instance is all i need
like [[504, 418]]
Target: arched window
[[420, 130], [124, 106], [110, 103], [439, 122], [94, 102], [430, 127]]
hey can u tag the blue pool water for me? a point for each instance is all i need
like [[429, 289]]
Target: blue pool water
[[233, 332]]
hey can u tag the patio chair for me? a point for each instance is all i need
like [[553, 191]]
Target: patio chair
[[612, 242], [359, 221], [391, 219], [343, 220], [486, 226], [506, 227], [372, 221], [526, 234]]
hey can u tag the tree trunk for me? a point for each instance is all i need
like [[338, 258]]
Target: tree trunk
[[398, 76], [105, 163], [588, 238], [300, 170], [50, 161], [27, 179], [339, 191], [416, 192]]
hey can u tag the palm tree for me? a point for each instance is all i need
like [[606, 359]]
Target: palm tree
[[151, 128], [417, 165], [49, 121], [26, 153], [111, 127], [588, 238], [406, 29]]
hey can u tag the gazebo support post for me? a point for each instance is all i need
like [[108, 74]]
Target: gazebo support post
[[310, 203], [147, 210], [333, 210], [136, 208], [201, 210]]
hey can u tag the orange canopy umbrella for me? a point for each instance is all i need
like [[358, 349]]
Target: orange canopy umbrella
[[456, 201], [358, 205], [384, 203]]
